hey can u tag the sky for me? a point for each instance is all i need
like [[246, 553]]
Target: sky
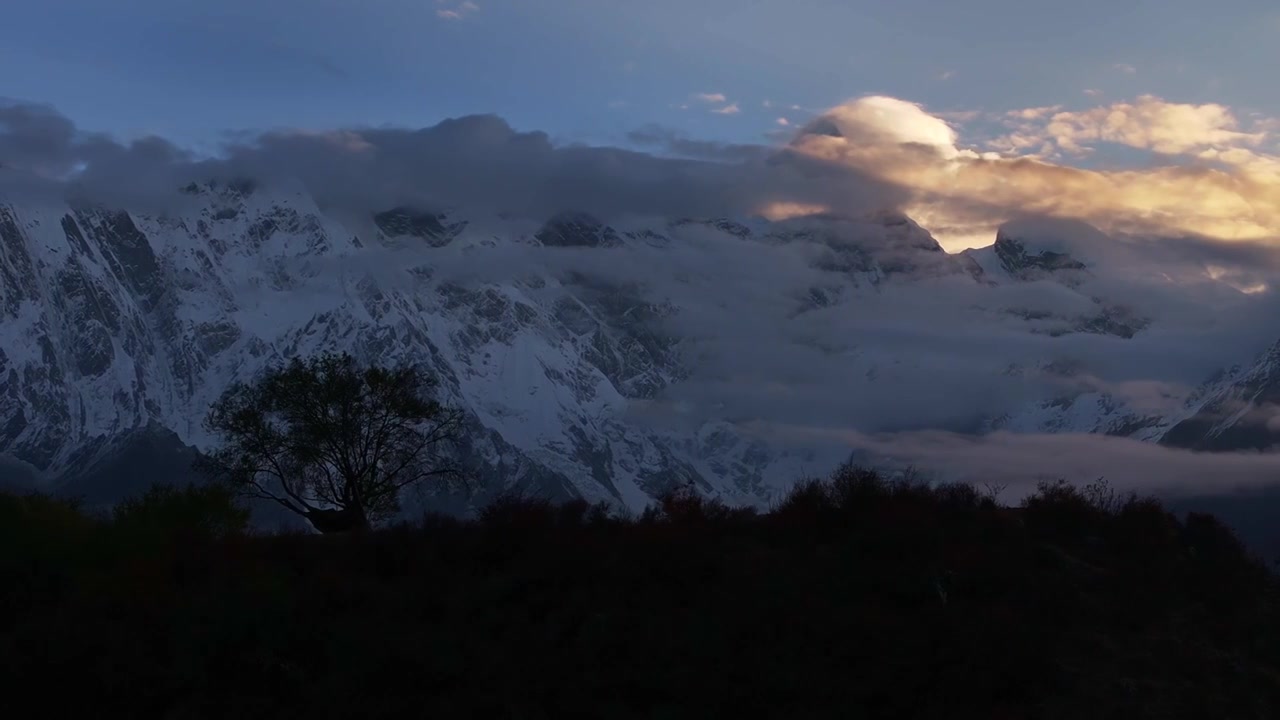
[[601, 72], [1154, 121], [594, 69]]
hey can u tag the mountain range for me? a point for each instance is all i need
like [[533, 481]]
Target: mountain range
[[611, 360]]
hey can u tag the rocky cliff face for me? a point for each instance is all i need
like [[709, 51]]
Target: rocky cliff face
[[121, 327], [1238, 410]]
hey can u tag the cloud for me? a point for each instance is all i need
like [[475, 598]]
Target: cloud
[[36, 136], [906, 372], [1215, 181], [1022, 460], [475, 161], [882, 122], [767, 104], [783, 122], [1034, 113], [1148, 123], [902, 367], [1219, 180], [960, 116], [43, 151], [453, 10], [673, 143], [1125, 68], [727, 108]]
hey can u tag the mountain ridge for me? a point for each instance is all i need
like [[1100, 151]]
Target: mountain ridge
[[120, 321]]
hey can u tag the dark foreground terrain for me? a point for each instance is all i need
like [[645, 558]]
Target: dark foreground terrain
[[855, 598]]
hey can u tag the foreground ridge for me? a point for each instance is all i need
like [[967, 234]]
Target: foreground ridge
[[854, 595]]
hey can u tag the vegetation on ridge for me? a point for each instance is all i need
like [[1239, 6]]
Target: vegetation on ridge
[[854, 597]]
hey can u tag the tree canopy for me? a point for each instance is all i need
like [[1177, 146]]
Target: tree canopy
[[333, 441]]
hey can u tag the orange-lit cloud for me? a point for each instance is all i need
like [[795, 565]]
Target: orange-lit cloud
[[786, 210], [1149, 123], [1211, 175]]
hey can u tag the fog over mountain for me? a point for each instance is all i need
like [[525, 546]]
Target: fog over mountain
[[618, 321]]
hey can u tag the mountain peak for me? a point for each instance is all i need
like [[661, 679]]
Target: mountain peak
[[406, 222], [1016, 259], [725, 225], [577, 229]]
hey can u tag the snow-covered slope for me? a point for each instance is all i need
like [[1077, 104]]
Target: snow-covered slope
[[116, 323], [120, 327], [1238, 410]]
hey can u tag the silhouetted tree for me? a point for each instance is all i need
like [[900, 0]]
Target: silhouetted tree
[[333, 441]]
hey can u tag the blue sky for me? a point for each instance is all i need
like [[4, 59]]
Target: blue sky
[[1154, 116], [590, 70]]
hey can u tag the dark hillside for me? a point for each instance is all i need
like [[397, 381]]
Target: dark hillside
[[855, 598]]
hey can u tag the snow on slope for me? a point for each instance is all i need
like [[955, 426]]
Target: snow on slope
[[1237, 410], [612, 362], [114, 321]]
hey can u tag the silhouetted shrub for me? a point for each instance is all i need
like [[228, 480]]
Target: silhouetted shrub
[[1105, 498], [873, 599], [853, 487], [577, 513], [1210, 541], [38, 520], [958, 496], [44, 542], [435, 521], [572, 513], [684, 506], [166, 513], [514, 510], [808, 501], [1144, 526], [910, 485], [1061, 511]]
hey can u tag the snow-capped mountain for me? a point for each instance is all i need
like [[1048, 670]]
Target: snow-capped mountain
[[1238, 410], [122, 325], [1078, 256], [563, 338]]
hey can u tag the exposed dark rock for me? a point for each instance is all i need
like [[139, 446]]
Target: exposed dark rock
[[406, 222], [127, 252], [724, 225], [17, 278], [1015, 258], [573, 229]]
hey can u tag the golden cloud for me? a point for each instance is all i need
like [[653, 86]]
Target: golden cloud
[[1214, 181], [1152, 124], [784, 210]]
